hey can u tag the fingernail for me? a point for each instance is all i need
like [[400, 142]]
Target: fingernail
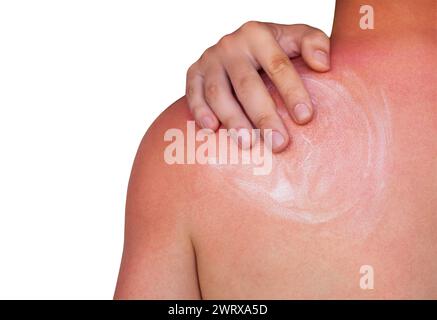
[[277, 140], [302, 113], [322, 57], [207, 122]]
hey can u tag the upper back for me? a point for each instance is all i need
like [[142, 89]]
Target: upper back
[[355, 193]]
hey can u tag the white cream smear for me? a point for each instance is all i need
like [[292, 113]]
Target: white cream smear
[[336, 165]]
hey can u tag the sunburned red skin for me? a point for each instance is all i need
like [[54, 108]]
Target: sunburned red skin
[[250, 247], [378, 208], [193, 232], [337, 165]]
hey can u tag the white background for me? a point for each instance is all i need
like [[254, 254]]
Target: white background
[[80, 82]]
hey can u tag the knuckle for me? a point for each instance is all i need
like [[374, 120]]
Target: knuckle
[[292, 93], [226, 41], [303, 27], [251, 26], [263, 119], [211, 91], [275, 32], [278, 64], [244, 84], [314, 34], [206, 55], [318, 33]]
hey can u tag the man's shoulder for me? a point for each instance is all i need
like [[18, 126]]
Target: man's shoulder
[[156, 179], [173, 117]]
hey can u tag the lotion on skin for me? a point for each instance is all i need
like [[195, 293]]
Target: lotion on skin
[[336, 166]]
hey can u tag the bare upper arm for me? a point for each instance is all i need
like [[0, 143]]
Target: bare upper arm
[[158, 257]]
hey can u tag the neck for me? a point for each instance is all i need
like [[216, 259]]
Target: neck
[[392, 19]]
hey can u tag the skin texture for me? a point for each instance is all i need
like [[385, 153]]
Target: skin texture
[[231, 66], [324, 175], [192, 232]]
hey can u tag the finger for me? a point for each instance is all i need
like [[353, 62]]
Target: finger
[[256, 100], [300, 39], [202, 114], [315, 48], [218, 95], [286, 79]]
